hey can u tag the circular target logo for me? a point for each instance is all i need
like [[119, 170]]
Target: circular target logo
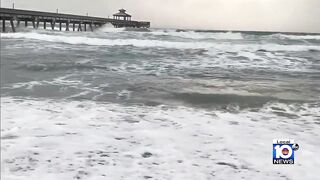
[[284, 151]]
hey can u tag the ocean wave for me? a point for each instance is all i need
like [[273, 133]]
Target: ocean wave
[[110, 29], [298, 37], [145, 43], [61, 67], [243, 101], [63, 81], [199, 35], [75, 40]]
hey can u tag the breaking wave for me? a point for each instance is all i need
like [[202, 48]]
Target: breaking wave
[[299, 37], [225, 99], [198, 35], [145, 43], [110, 28], [60, 67]]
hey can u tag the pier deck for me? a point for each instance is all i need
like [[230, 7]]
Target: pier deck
[[71, 22]]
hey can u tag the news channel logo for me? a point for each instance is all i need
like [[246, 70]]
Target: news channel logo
[[283, 151]]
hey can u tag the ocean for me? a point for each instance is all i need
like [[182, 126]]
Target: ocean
[[165, 104]]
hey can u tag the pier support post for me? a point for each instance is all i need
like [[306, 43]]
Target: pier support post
[[74, 26], [85, 27], [60, 26], [67, 26], [26, 23], [38, 23], [12, 25], [34, 24], [18, 23], [3, 25], [44, 24], [91, 27], [53, 24], [79, 27]]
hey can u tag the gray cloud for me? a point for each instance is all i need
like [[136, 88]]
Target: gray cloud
[[265, 15]]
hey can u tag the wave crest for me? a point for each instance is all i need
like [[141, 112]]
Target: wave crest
[[149, 43], [299, 37], [199, 35]]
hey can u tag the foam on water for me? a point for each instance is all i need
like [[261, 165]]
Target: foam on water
[[173, 105], [110, 29], [199, 35], [82, 40], [86, 140], [299, 37]]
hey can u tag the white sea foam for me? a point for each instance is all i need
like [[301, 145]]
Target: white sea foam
[[199, 35], [109, 28], [65, 81], [82, 40], [300, 37], [86, 140]]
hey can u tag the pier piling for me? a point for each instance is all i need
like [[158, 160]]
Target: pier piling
[[38, 23], [79, 27], [67, 26], [3, 25], [91, 27], [53, 24], [34, 24], [12, 25]]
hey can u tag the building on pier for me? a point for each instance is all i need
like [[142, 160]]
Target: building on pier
[[122, 15]]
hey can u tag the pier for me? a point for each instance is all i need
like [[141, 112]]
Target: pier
[[68, 22]]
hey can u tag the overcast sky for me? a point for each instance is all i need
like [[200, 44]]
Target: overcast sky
[[264, 15]]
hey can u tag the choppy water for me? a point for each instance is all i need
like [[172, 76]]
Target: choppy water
[[117, 104]]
